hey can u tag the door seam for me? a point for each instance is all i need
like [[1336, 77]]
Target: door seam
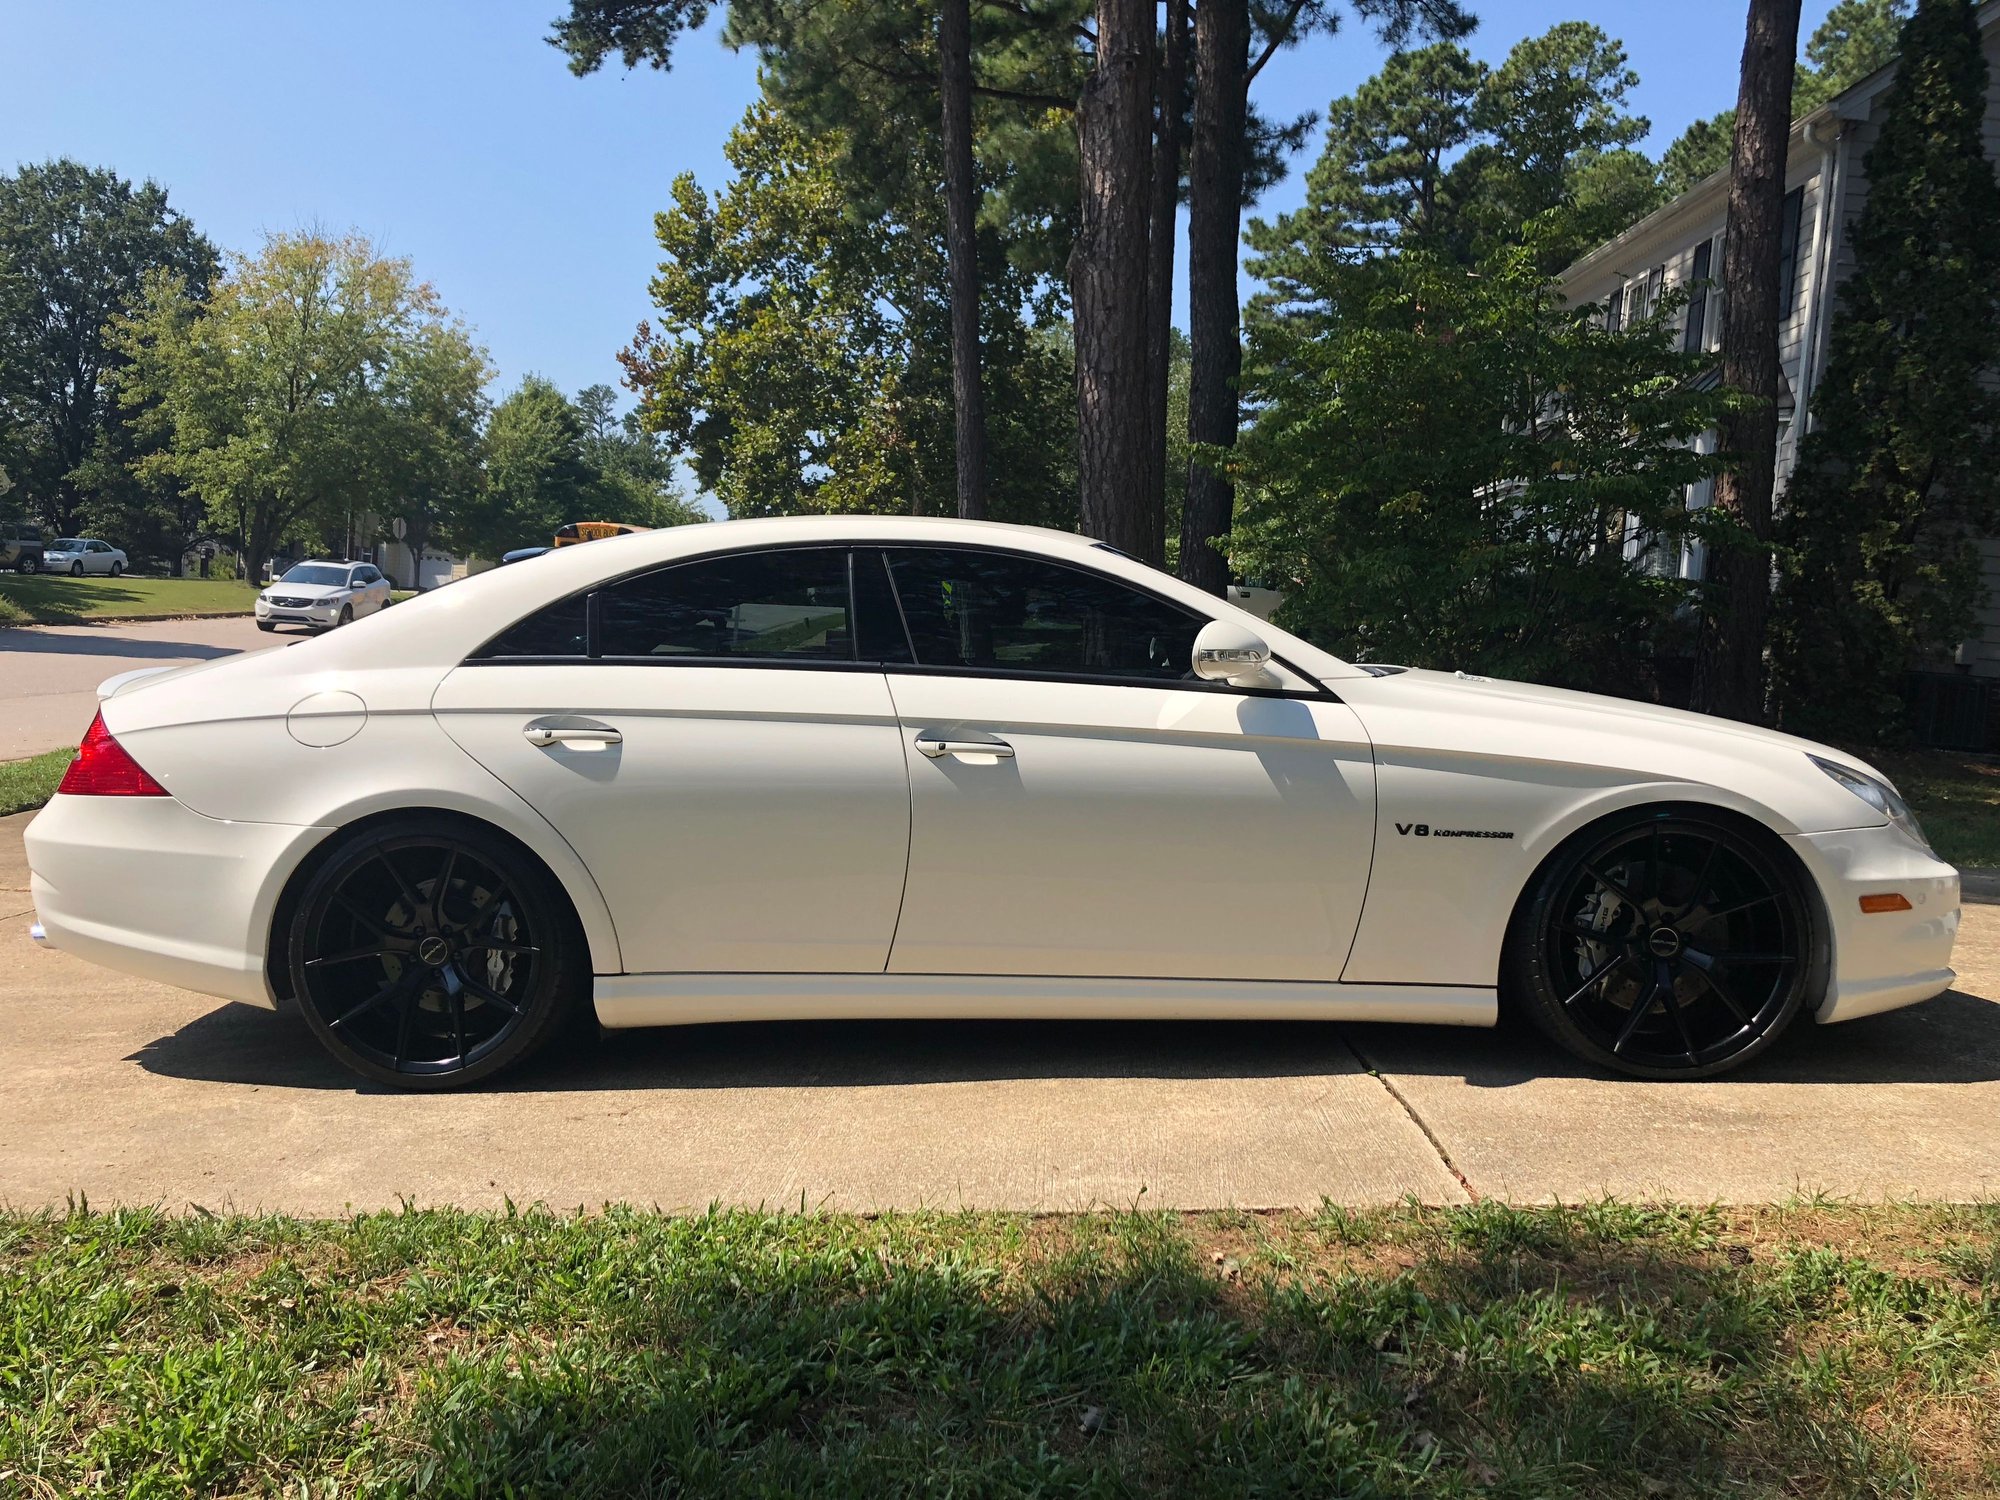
[[909, 823]]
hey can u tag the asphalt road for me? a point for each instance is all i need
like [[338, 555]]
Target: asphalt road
[[49, 673], [133, 1092]]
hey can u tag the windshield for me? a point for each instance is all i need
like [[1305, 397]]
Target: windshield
[[316, 573], [66, 544]]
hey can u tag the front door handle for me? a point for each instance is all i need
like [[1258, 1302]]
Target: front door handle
[[938, 745], [569, 731]]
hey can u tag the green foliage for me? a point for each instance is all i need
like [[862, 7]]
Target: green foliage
[[427, 462], [1902, 468], [1856, 38], [1448, 464], [274, 395], [76, 245], [1438, 151], [1595, 1351], [798, 363], [27, 784]]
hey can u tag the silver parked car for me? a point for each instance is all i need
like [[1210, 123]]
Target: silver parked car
[[80, 555]]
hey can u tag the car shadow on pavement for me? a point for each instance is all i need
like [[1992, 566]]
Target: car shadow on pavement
[[1953, 1039]]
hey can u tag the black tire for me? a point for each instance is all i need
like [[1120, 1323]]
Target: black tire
[[117, 568], [27, 564], [1666, 943], [433, 954], [346, 616], [76, 570], [267, 625]]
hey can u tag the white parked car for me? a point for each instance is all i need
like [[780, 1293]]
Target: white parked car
[[868, 766], [322, 595], [78, 555]]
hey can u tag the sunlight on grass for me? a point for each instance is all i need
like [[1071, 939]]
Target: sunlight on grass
[[1601, 1350], [30, 783], [39, 599]]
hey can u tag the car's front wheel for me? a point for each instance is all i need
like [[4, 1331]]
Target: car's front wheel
[[434, 954], [76, 570], [1665, 944]]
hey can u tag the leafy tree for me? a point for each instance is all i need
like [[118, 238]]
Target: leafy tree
[[537, 477], [1857, 38], [428, 463], [76, 247], [635, 472], [1451, 468], [1555, 133], [795, 363], [1902, 466], [271, 393]]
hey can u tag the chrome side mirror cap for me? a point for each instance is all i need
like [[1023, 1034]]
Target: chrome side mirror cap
[[1228, 652]]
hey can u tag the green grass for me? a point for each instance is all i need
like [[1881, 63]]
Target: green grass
[[1956, 797], [1605, 1350], [31, 782], [49, 599]]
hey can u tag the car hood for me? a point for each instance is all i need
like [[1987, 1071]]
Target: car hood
[[1517, 726], [307, 590]]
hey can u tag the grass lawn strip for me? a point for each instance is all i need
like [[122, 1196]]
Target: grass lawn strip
[[1603, 1350], [50, 599], [26, 784]]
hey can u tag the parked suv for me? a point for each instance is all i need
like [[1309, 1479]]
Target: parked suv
[[20, 547]]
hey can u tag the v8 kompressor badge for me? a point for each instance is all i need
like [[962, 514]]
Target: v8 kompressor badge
[[1425, 831]]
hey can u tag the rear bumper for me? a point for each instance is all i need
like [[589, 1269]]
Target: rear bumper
[[147, 886], [1884, 960]]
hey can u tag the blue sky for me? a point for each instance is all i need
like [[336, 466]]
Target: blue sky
[[449, 132]]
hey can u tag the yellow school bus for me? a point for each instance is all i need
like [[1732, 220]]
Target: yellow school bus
[[592, 531]]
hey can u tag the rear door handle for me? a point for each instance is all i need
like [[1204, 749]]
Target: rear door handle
[[570, 731], [937, 745]]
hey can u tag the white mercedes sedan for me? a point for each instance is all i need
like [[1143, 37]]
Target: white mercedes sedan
[[855, 766]]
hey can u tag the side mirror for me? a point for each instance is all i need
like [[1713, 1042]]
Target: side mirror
[[1227, 652]]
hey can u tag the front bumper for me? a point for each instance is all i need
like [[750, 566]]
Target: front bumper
[[150, 887], [1884, 960], [308, 614]]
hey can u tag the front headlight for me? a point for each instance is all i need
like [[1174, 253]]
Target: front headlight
[[1878, 795]]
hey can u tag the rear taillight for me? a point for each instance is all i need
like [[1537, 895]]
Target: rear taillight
[[103, 768]]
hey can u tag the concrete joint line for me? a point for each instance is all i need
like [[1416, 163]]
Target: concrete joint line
[[1416, 1119]]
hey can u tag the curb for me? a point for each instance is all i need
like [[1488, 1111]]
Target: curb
[[122, 620]]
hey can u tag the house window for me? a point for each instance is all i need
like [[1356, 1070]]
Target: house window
[[1694, 338], [1788, 251], [1613, 307]]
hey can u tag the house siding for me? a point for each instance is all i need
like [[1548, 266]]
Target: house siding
[[1835, 191]]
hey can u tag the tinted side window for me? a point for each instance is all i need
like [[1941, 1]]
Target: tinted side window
[[1002, 613], [563, 629], [789, 606]]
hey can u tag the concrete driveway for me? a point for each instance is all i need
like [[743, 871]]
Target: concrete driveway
[[132, 1092], [49, 673]]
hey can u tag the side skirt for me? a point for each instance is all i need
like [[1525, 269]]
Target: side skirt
[[697, 999]]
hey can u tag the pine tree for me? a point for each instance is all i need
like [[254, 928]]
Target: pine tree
[[1902, 469]]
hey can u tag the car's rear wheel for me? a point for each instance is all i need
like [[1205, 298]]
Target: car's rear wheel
[[1666, 944], [117, 568], [26, 564], [435, 954]]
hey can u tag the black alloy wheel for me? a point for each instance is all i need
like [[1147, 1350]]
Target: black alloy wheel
[[1668, 945], [433, 955]]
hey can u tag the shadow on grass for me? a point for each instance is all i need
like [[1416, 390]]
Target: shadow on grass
[[1953, 1039], [1522, 1354]]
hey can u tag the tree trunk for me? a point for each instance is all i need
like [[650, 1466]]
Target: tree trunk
[[961, 246], [1215, 215], [1729, 664], [1108, 277], [1160, 271]]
